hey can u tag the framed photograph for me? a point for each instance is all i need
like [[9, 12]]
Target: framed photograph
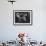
[[22, 17]]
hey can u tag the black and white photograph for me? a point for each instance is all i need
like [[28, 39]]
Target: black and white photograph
[[22, 16]]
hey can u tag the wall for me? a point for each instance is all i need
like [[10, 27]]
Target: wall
[[37, 31]]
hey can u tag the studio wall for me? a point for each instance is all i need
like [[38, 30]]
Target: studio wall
[[8, 31]]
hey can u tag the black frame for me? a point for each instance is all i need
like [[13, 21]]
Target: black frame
[[31, 18]]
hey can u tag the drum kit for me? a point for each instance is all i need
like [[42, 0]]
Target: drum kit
[[21, 41]]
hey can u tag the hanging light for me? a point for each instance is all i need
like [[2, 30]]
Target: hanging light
[[12, 1]]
